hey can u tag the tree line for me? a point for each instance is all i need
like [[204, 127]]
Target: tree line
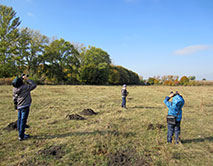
[[54, 61], [171, 80]]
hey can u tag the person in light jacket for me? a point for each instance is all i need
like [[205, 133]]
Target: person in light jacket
[[175, 109], [22, 102]]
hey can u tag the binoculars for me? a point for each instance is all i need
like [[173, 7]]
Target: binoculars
[[176, 93], [22, 75]]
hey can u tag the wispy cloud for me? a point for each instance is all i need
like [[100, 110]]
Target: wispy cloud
[[30, 14], [193, 49]]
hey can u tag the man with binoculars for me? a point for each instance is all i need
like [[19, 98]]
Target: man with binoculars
[[22, 101], [174, 115]]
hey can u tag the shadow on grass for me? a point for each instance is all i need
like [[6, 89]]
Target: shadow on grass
[[196, 140], [146, 107], [70, 134]]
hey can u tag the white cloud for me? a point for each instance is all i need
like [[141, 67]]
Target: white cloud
[[192, 49], [30, 14]]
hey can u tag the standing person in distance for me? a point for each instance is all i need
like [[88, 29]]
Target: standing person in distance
[[22, 101], [174, 115], [124, 94]]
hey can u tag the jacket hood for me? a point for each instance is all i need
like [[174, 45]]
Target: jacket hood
[[17, 82], [178, 101]]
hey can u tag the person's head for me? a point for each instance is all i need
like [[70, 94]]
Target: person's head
[[17, 82], [172, 94], [24, 76], [124, 86]]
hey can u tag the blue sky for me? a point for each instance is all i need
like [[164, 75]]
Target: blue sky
[[150, 37]]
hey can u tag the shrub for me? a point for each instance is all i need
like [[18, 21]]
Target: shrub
[[6, 81], [184, 80], [151, 81]]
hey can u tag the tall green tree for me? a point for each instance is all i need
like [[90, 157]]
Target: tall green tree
[[30, 50], [61, 61], [8, 40], [95, 66], [37, 44], [95, 56], [114, 75], [121, 75], [23, 50]]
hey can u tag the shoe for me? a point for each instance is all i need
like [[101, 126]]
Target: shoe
[[26, 136]]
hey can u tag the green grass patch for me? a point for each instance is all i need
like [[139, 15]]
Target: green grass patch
[[113, 136]]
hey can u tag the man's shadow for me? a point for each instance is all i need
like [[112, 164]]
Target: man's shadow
[[197, 140], [70, 134], [146, 107]]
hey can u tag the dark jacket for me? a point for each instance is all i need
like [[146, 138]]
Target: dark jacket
[[22, 96]]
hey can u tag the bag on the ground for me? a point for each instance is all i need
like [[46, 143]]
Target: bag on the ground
[[171, 119]]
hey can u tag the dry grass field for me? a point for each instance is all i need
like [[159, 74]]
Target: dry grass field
[[135, 136]]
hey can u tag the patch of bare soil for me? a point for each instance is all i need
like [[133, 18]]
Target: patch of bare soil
[[11, 126], [88, 112], [160, 126], [150, 127], [55, 151], [127, 158], [75, 117]]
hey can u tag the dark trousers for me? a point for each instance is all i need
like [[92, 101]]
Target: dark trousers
[[123, 102], [22, 120], [173, 129]]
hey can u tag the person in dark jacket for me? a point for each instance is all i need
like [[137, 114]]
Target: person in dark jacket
[[175, 110], [22, 101], [124, 94]]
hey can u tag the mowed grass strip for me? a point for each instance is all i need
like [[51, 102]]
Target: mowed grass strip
[[113, 136]]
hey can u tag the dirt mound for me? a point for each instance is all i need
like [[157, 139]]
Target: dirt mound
[[160, 126], [156, 126], [88, 112], [75, 117], [126, 158], [150, 127], [11, 126], [55, 151], [120, 158]]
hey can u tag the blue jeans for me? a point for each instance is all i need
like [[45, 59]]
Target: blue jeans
[[173, 129], [22, 120], [123, 102]]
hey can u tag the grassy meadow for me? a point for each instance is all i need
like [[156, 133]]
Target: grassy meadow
[[114, 136]]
